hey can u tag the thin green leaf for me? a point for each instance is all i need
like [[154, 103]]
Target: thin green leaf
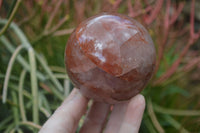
[[8, 72], [20, 95], [34, 86]]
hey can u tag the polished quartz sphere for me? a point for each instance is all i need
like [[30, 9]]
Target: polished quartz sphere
[[110, 57]]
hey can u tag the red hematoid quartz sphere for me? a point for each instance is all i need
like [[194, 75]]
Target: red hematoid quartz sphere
[[110, 57]]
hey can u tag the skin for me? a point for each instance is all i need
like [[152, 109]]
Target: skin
[[125, 117]]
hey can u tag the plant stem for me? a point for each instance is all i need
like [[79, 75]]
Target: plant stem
[[44, 111], [46, 103], [25, 42], [5, 122], [176, 112], [61, 76], [49, 72], [57, 93], [20, 59], [25, 93], [11, 17], [8, 72], [19, 131], [12, 77], [15, 109], [9, 127], [149, 126], [63, 32], [58, 69], [20, 95], [12, 6], [153, 117], [13, 130], [34, 85], [28, 123], [175, 124], [53, 14]]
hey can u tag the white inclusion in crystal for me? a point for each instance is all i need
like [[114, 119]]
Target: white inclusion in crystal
[[85, 37], [99, 56], [129, 59], [127, 35], [80, 30], [130, 33], [98, 46], [99, 49], [134, 31], [124, 35]]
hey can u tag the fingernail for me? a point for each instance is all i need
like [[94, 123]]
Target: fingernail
[[138, 99], [73, 95]]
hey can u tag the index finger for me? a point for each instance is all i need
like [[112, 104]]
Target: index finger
[[133, 115], [65, 119]]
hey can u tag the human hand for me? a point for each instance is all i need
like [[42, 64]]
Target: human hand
[[125, 117]]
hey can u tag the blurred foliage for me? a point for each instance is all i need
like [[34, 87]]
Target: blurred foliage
[[33, 81]]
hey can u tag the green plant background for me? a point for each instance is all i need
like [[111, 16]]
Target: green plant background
[[33, 81]]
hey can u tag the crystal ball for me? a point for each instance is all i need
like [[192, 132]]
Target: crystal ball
[[110, 57]]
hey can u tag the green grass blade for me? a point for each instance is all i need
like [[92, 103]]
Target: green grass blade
[[34, 85], [50, 73], [5, 122], [30, 124], [8, 72], [20, 59], [10, 18], [177, 112], [175, 124], [153, 117], [25, 42], [15, 108], [20, 96]]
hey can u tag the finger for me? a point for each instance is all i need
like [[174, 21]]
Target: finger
[[133, 115], [65, 119], [116, 118], [95, 119]]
